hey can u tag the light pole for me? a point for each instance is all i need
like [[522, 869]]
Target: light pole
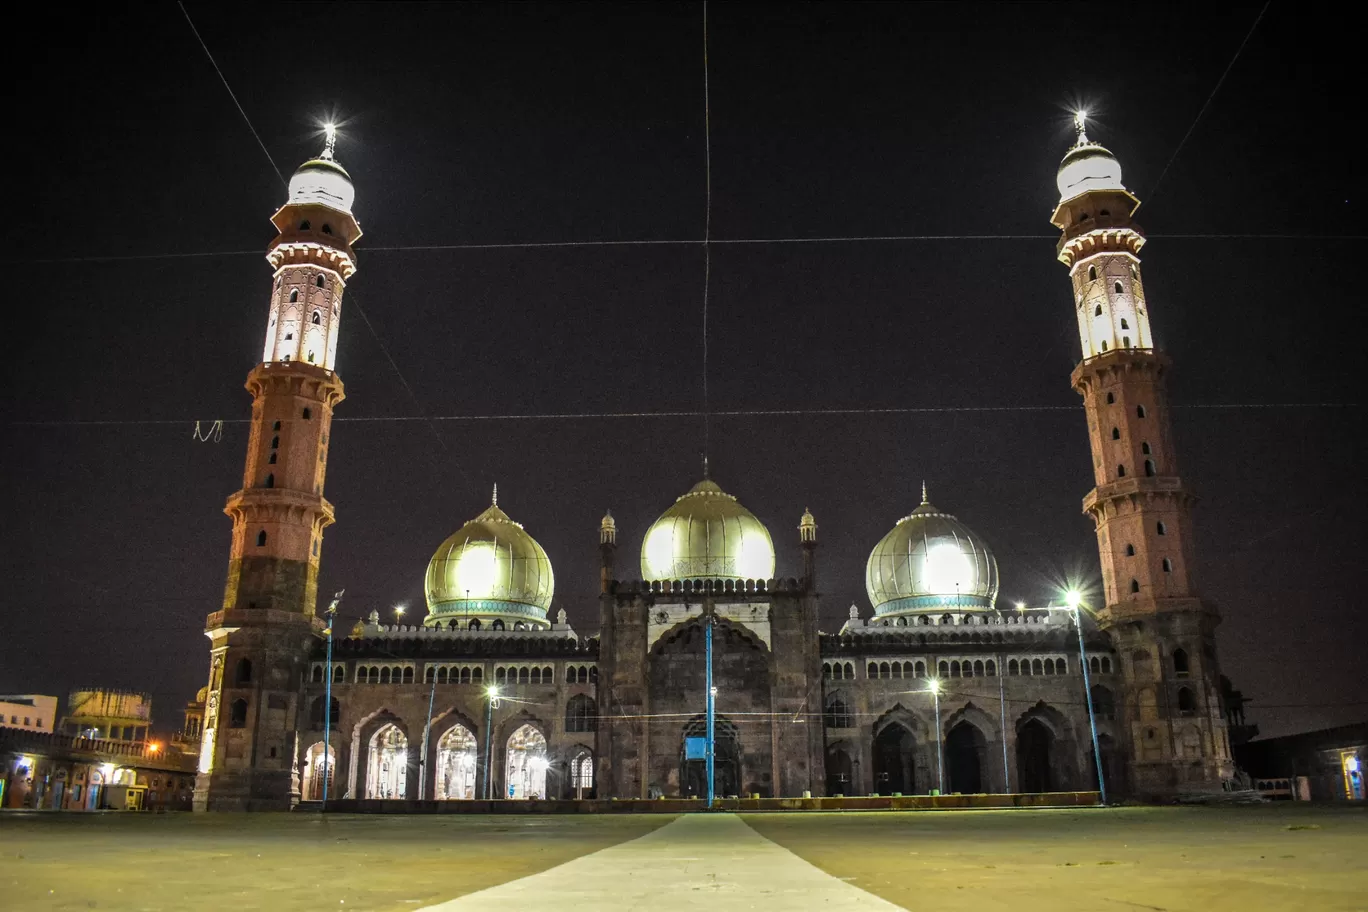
[[327, 697], [492, 695], [1075, 603], [427, 734], [934, 685], [710, 712]]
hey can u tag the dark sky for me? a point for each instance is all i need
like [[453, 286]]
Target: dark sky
[[525, 123]]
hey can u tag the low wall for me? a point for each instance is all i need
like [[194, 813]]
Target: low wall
[[685, 805]]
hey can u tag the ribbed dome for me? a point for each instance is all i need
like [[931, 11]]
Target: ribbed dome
[[930, 561], [707, 535], [323, 180], [1088, 166], [489, 570]]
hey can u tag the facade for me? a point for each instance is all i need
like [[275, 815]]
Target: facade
[[31, 712], [934, 688], [61, 772], [108, 715], [1325, 765]]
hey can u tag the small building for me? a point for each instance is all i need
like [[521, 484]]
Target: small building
[[107, 714], [1331, 761], [31, 712], [55, 771]]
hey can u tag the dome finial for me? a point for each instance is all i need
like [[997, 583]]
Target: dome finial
[[494, 501], [705, 466], [1080, 124], [925, 499], [329, 144]]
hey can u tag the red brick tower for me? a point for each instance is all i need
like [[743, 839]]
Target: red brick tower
[[261, 636], [1163, 630]]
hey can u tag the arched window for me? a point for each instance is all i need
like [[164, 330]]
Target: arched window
[[319, 281], [276, 426], [272, 460], [1160, 528], [475, 624], [1104, 344], [1013, 667], [294, 295], [261, 538], [327, 229], [1097, 311], [317, 676], [385, 675], [1106, 665], [270, 480], [1116, 433], [525, 676], [1186, 704], [408, 676], [1094, 665], [1149, 468], [1049, 666], [1168, 565], [919, 670], [1124, 324], [990, 668], [838, 714], [304, 225], [316, 713], [1103, 702], [500, 674], [581, 714], [1135, 586], [943, 669], [1118, 288], [476, 676], [1145, 448], [275, 442], [497, 625], [1111, 398], [1037, 667], [536, 673], [978, 668], [1180, 662], [954, 669], [307, 414], [237, 714], [1125, 342], [316, 319], [1092, 273], [1120, 471], [1130, 550], [1140, 411]]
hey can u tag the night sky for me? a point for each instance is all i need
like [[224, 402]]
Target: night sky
[[494, 124]]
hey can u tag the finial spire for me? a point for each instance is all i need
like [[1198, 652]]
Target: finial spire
[[1080, 124], [925, 499], [705, 465], [494, 502], [330, 143]]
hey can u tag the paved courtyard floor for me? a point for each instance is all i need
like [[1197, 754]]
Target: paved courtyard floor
[[1246, 859]]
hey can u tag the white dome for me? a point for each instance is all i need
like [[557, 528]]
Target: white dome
[[1088, 166], [322, 181]]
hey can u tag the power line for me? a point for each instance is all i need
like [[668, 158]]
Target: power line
[[1257, 19], [224, 80]]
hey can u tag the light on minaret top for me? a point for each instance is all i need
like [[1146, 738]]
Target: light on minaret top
[[322, 179], [1087, 165]]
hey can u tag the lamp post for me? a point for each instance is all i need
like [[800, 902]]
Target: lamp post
[[427, 735], [710, 713], [327, 697], [492, 695], [934, 685], [1075, 603]]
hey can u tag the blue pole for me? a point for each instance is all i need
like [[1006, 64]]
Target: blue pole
[[940, 759], [1087, 697], [708, 638], [327, 701], [427, 736], [489, 722]]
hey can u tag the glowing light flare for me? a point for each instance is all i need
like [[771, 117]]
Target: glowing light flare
[[492, 690], [1080, 119], [1073, 598], [478, 569], [948, 570], [933, 685]]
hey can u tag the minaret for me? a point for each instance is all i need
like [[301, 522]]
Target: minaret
[[260, 638], [1172, 728]]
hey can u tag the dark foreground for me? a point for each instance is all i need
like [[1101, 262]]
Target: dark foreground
[[1242, 858]]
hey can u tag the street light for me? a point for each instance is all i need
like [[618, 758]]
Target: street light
[[934, 685], [327, 696], [492, 695], [399, 612], [1074, 600]]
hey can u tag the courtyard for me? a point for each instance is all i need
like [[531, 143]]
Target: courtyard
[[1241, 858]]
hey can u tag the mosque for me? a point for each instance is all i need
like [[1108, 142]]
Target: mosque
[[938, 689]]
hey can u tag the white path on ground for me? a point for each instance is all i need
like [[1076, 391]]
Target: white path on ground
[[699, 861]]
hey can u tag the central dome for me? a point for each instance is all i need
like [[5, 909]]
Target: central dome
[[707, 535], [489, 572], [930, 561]]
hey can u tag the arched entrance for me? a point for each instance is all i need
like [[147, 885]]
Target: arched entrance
[[455, 768], [840, 772], [1035, 749], [318, 766], [965, 748], [582, 775], [693, 774], [895, 758], [526, 768], [387, 768]]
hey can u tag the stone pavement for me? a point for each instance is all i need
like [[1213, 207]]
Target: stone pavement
[[700, 861]]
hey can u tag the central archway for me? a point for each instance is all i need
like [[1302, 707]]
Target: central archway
[[387, 770], [525, 772], [895, 757], [840, 771], [693, 774], [965, 747], [1035, 749], [456, 764]]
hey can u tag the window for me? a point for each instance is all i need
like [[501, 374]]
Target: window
[[1149, 468], [276, 427], [1118, 288], [1186, 704], [317, 320], [316, 713], [339, 675], [1111, 398], [275, 441], [1097, 311], [581, 715], [1104, 212], [1168, 565], [1120, 471], [1116, 433], [237, 714], [1135, 586], [261, 538], [288, 337], [327, 229], [1125, 342], [1145, 448], [307, 414], [1013, 667], [1124, 324], [270, 481], [838, 714], [319, 281], [294, 295], [1160, 528], [317, 676], [1180, 663], [272, 460], [1092, 273], [1140, 411], [243, 672], [1104, 344], [1130, 550], [1103, 703], [304, 225]]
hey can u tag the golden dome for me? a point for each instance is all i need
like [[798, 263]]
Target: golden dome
[[490, 571], [930, 562], [707, 535]]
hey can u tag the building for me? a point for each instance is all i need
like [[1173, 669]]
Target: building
[[31, 712], [1325, 765], [57, 771], [109, 715], [936, 687]]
